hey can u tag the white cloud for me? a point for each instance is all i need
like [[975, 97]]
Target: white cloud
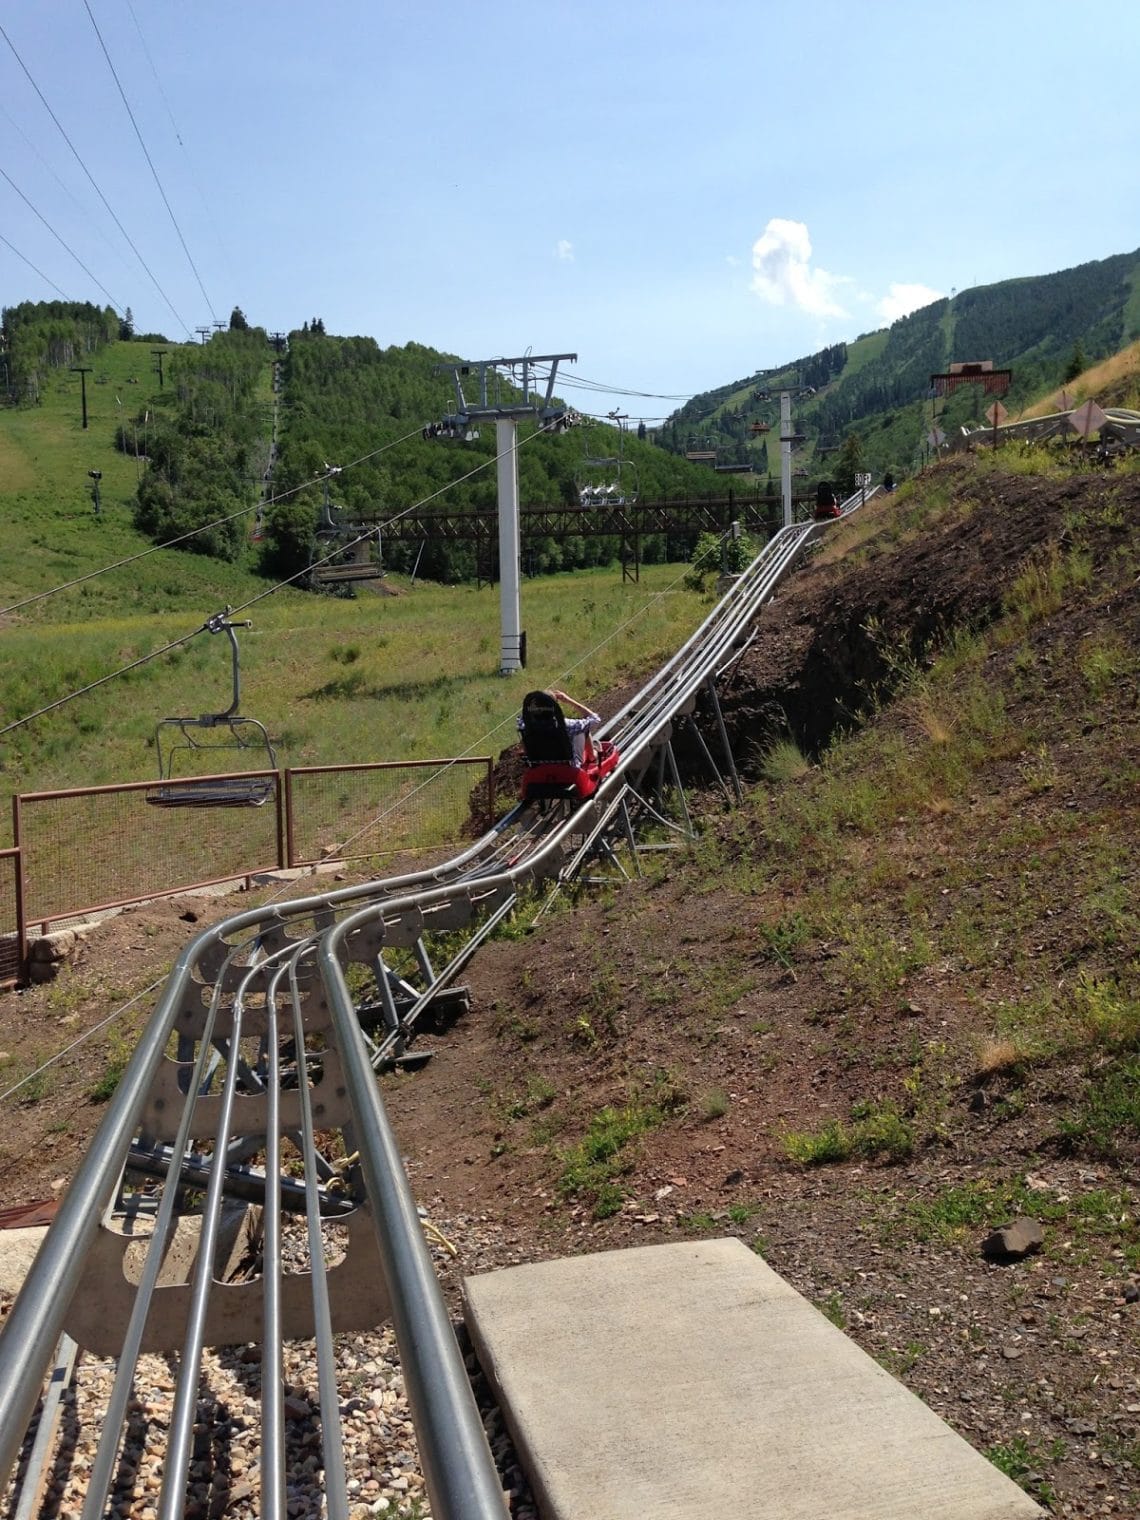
[[782, 272], [565, 251], [732, 261], [901, 300]]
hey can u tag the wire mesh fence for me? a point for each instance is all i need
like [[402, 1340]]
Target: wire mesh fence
[[102, 846], [347, 812], [90, 848], [11, 918]]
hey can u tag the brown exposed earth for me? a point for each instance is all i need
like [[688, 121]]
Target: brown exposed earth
[[717, 1012]]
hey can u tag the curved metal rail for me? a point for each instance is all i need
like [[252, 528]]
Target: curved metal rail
[[256, 1045], [1120, 430]]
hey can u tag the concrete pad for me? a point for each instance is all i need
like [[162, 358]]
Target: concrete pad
[[686, 1380]]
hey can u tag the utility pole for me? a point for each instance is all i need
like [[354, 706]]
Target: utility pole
[[156, 354], [512, 647], [82, 372], [203, 332]]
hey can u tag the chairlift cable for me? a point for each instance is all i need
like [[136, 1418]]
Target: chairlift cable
[[32, 267], [150, 161], [177, 643], [63, 244], [102, 681], [95, 187], [386, 523], [219, 522], [261, 596]]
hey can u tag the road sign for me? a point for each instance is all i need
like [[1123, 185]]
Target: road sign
[[862, 481], [996, 414]]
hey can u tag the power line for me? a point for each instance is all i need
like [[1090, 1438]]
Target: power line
[[31, 266], [146, 155], [91, 178], [181, 144], [218, 522], [59, 239], [261, 596]]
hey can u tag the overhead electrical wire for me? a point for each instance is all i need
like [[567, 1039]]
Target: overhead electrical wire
[[178, 138], [60, 240], [218, 522], [91, 178], [31, 266], [150, 161], [270, 591]]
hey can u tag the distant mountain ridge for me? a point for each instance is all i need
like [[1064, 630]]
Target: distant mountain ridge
[[878, 386]]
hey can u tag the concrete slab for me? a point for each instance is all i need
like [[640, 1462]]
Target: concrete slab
[[687, 1380]]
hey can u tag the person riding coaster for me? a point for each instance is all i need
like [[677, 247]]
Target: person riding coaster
[[562, 758], [826, 505]]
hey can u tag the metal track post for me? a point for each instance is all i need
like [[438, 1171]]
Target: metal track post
[[723, 731], [510, 615], [786, 455], [675, 775]]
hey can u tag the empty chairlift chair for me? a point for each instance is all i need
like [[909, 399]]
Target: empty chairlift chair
[[192, 752]]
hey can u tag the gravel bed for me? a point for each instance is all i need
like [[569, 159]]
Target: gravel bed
[[381, 1459]]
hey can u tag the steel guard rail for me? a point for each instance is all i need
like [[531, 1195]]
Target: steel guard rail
[[212, 989]]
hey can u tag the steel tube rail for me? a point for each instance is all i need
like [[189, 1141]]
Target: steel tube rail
[[458, 1467]]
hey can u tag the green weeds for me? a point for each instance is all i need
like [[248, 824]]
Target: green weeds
[[1022, 1462], [875, 1130], [590, 1169]]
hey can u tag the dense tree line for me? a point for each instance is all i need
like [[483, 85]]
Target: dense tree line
[[37, 336], [348, 400], [206, 444]]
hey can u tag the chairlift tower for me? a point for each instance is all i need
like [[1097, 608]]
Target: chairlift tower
[[535, 403]]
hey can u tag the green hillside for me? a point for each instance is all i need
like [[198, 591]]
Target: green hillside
[[1042, 327], [403, 676]]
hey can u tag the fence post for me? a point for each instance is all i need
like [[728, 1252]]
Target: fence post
[[290, 834], [280, 805], [490, 790], [21, 920]]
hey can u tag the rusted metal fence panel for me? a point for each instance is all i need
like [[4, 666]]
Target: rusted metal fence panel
[[350, 811], [13, 947], [103, 846], [86, 849]]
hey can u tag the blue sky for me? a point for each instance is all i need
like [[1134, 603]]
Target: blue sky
[[679, 193]]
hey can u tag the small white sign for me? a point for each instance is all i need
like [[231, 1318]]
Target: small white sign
[[862, 480]]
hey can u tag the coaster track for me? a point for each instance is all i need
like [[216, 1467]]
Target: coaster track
[[256, 1043]]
